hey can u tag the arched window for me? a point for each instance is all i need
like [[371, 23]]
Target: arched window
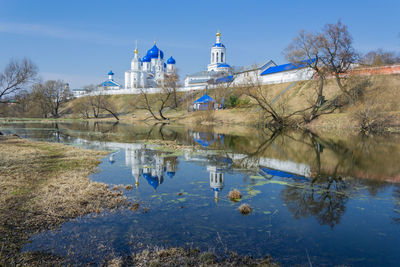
[[213, 58], [217, 57], [222, 57]]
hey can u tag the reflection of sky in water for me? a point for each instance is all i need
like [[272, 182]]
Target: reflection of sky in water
[[334, 220]]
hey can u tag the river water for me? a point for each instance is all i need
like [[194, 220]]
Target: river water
[[324, 200]]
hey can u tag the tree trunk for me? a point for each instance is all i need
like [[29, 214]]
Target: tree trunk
[[161, 115], [112, 113], [339, 82]]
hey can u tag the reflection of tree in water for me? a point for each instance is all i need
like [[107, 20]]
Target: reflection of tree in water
[[252, 157], [325, 195], [324, 199]]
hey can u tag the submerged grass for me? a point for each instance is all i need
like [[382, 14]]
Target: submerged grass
[[43, 185]]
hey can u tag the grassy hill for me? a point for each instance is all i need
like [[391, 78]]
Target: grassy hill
[[379, 96]]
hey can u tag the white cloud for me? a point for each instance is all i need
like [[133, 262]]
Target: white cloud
[[61, 33]]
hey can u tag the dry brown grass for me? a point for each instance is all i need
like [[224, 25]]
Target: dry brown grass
[[245, 209], [234, 195], [189, 257], [43, 185], [129, 187]]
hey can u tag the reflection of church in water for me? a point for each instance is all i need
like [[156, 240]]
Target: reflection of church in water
[[151, 165], [216, 180]]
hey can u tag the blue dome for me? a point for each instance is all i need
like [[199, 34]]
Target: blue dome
[[153, 52], [110, 73], [171, 174], [171, 60], [223, 65], [218, 45], [146, 58]]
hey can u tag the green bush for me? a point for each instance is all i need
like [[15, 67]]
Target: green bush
[[233, 100]]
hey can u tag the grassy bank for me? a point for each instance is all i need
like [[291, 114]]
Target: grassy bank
[[376, 103], [41, 186]]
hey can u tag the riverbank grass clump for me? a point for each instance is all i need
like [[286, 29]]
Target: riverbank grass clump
[[235, 195], [245, 209], [43, 185]]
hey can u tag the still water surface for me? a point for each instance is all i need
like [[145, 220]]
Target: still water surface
[[334, 200]]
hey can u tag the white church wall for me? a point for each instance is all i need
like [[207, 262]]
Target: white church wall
[[287, 76], [245, 77]]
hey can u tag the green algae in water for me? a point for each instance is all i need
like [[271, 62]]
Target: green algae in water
[[261, 183], [253, 192], [257, 177]]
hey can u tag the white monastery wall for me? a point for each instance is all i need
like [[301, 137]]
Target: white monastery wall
[[287, 76]]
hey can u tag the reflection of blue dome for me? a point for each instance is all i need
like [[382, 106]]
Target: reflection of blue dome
[[146, 58], [171, 174], [165, 65], [152, 180], [171, 60], [153, 52], [111, 73], [216, 189]]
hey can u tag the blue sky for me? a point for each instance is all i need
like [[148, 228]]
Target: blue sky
[[80, 41]]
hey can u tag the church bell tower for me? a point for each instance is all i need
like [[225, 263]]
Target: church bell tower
[[218, 53]]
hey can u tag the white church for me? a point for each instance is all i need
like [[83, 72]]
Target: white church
[[149, 71], [219, 72], [218, 68]]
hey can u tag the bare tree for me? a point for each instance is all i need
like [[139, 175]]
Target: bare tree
[[327, 53], [16, 75], [106, 105], [52, 95], [95, 102], [305, 50], [275, 115], [172, 82], [159, 102], [338, 54], [380, 57], [82, 106]]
